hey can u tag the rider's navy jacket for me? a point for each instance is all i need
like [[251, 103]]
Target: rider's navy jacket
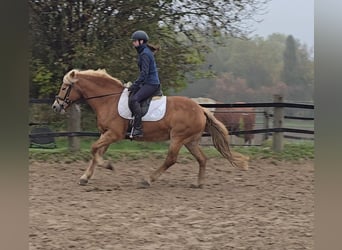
[[147, 66]]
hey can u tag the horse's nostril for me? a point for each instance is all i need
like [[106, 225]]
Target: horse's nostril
[[54, 107]]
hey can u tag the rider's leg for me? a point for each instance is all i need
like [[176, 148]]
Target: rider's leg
[[137, 124], [143, 93]]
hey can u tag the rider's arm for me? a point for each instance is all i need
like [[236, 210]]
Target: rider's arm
[[144, 70]]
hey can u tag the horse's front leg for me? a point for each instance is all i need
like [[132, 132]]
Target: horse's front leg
[[98, 150], [100, 161]]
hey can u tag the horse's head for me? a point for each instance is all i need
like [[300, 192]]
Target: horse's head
[[68, 93]]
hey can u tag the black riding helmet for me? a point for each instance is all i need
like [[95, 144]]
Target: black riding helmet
[[140, 35]]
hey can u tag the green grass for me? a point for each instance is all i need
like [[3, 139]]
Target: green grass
[[293, 151], [120, 149], [299, 124]]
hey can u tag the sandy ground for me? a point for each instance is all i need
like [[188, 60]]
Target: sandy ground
[[270, 206]]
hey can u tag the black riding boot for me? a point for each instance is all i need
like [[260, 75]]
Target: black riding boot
[[138, 130], [137, 124]]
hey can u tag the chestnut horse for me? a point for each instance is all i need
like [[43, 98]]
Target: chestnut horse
[[183, 123], [235, 119]]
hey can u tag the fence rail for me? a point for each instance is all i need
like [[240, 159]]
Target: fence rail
[[259, 105], [277, 131], [221, 105]]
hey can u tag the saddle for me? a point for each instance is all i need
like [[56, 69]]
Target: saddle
[[156, 108], [145, 104]]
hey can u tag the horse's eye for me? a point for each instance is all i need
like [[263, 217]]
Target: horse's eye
[[63, 88]]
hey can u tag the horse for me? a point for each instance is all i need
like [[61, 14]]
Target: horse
[[182, 124], [235, 119]]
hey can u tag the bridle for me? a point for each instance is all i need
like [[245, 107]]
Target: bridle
[[66, 100]]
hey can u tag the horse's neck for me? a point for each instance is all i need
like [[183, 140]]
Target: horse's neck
[[102, 98]]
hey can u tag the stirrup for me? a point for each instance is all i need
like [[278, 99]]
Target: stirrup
[[136, 133]]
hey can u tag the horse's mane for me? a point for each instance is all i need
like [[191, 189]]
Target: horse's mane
[[97, 73]]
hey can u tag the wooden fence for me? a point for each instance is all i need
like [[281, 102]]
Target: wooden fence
[[277, 131]]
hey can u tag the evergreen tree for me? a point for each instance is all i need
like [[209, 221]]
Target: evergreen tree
[[290, 69]]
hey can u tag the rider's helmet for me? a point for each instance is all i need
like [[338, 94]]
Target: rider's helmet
[[140, 35]]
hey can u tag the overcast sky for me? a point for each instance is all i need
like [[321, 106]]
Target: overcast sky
[[289, 17]]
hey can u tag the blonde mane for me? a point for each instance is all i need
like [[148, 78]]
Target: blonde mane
[[71, 76]]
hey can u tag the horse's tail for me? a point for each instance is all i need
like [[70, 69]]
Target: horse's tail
[[220, 137]]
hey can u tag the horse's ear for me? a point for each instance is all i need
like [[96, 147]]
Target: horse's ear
[[72, 74]]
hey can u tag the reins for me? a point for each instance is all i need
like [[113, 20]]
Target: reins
[[100, 96], [69, 102]]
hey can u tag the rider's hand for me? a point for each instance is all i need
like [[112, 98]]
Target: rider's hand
[[133, 88]]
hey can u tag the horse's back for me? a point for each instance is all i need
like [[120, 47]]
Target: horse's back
[[186, 112], [184, 103]]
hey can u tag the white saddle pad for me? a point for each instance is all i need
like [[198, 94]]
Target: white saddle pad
[[155, 112]]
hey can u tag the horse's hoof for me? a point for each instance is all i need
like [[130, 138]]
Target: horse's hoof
[[110, 166], [144, 184], [83, 182], [196, 186]]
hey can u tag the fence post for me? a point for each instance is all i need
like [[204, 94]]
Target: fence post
[[266, 123], [74, 125], [278, 120]]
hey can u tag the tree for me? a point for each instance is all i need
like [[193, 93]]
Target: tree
[[258, 60], [95, 34], [290, 70], [251, 70]]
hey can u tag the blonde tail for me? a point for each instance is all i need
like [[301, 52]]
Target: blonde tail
[[220, 137]]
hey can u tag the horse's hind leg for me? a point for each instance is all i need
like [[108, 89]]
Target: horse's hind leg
[[196, 151], [171, 159]]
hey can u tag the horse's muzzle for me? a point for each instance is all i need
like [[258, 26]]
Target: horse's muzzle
[[57, 107]]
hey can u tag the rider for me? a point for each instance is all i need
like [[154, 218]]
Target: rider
[[148, 81]]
